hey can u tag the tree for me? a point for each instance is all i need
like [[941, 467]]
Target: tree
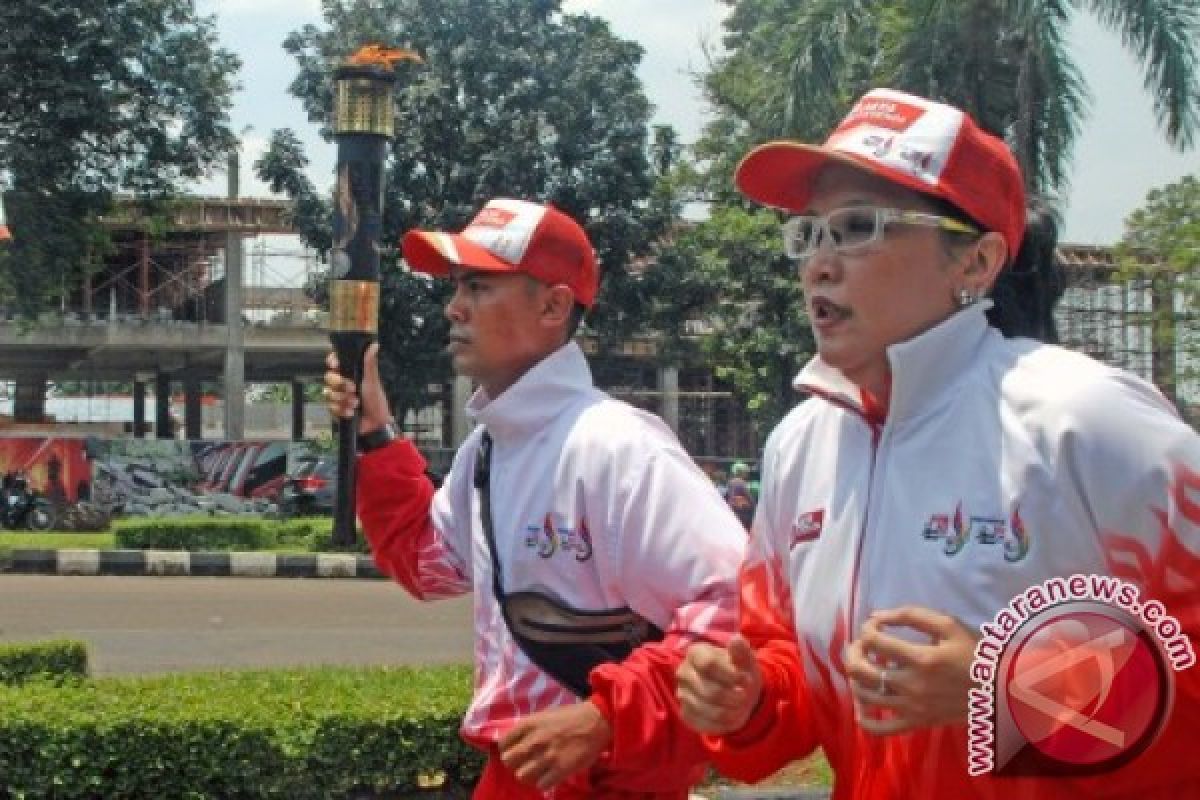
[[516, 99], [99, 98], [758, 335], [671, 291], [1165, 232], [1004, 61]]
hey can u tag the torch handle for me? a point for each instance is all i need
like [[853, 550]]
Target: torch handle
[[350, 348]]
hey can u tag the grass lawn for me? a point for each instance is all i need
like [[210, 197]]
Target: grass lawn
[[10, 541], [55, 541]]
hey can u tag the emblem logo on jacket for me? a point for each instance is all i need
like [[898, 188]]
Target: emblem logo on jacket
[[955, 530], [553, 536], [808, 527]]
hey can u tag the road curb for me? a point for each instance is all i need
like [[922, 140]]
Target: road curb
[[180, 563]]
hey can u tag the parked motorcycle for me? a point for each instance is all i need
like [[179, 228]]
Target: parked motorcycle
[[22, 507]]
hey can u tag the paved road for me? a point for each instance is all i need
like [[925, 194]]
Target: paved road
[[151, 625]]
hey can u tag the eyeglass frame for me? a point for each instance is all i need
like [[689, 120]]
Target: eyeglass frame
[[882, 216]]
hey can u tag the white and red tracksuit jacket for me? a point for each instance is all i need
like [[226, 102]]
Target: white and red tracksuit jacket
[[1072, 466], [595, 503]]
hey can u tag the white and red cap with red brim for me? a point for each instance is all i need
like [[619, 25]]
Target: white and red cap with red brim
[[929, 147], [512, 236]]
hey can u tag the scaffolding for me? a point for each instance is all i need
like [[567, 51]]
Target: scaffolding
[[172, 268], [1135, 316]]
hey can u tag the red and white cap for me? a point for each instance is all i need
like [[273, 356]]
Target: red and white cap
[[925, 146], [512, 236]]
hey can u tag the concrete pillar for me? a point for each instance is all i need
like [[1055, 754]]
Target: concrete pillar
[[29, 400], [162, 407], [297, 409], [460, 424], [193, 420], [668, 386], [234, 382], [139, 407]]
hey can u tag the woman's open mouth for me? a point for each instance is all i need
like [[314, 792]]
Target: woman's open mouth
[[824, 312]]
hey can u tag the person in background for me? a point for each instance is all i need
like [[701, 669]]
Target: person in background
[[738, 494], [579, 523], [943, 465], [721, 480]]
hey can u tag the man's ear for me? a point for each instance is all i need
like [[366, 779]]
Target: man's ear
[[988, 257], [557, 303]]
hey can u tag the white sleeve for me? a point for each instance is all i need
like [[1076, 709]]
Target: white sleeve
[[1135, 466], [678, 545]]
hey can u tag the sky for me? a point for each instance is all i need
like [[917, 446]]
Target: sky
[[1119, 156]]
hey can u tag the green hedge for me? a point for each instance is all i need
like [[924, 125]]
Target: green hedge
[[59, 661], [200, 533], [194, 533], [326, 733]]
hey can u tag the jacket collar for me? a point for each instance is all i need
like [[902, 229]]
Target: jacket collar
[[536, 398], [922, 368]]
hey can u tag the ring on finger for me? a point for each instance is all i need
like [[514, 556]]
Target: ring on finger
[[883, 681]]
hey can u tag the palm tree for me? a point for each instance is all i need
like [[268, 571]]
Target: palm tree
[[1005, 61]]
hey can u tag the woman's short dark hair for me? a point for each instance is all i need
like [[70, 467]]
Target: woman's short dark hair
[[1030, 285]]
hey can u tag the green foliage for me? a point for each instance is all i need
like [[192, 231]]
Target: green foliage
[[57, 661], [793, 67], [127, 95], [514, 99], [299, 734], [1167, 225], [204, 533], [195, 533], [322, 542], [313, 535], [760, 335], [1165, 232], [14, 540]]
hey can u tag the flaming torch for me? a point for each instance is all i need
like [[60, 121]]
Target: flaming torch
[[363, 120]]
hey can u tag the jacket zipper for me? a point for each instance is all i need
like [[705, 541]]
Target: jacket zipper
[[855, 582]]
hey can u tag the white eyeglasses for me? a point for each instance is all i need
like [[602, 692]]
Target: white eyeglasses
[[856, 228]]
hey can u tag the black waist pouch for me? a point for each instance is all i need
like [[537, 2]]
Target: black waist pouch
[[566, 643]]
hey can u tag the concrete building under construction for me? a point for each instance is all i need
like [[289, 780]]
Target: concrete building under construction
[[171, 308]]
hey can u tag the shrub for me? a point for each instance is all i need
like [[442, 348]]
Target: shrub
[[322, 542], [195, 533], [311, 534], [298, 532], [59, 661], [291, 733]]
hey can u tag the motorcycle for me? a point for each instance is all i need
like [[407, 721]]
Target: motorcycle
[[23, 507]]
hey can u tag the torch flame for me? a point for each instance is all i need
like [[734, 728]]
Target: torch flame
[[378, 56]]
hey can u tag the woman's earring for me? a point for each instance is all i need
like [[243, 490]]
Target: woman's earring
[[966, 297]]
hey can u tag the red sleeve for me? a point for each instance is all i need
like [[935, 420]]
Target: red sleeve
[[782, 728], [394, 501], [637, 696], [1166, 565]]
